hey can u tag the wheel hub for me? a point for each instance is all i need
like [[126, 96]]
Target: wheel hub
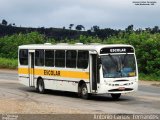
[[84, 91]]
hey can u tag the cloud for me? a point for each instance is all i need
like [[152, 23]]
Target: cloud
[[59, 13]]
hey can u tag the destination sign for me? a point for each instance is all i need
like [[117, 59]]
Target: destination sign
[[117, 50]]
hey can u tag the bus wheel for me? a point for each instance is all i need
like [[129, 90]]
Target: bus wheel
[[84, 92], [116, 96], [40, 86]]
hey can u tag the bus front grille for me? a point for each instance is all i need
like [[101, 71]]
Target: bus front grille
[[116, 90]]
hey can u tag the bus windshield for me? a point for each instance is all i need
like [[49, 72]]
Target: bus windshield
[[116, 66]]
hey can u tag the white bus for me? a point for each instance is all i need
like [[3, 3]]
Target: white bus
[[85, 69]]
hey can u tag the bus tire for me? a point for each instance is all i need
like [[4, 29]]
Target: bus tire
[[84, 91], [40, 86], [116, 96]]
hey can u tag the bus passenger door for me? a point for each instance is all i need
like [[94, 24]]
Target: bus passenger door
[[31, 68], [93, 72]]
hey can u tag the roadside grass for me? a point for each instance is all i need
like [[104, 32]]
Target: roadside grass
[[8, 63], [149, 77]]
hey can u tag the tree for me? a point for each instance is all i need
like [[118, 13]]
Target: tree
[[4, 22], [80, 27], [148, 29], [129, 28], [155, 29], [70, 26], [95, 28], [10, 25]]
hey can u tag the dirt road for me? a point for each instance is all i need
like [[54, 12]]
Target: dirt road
[[16, 98]]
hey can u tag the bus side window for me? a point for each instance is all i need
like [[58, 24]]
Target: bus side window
[[39, 57], [60, 58], [71, 58], [23, 57], [49, 58], [82, 61]]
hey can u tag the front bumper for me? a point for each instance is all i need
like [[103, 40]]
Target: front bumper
[[118, 87]]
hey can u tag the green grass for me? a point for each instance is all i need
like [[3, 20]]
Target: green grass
[[149, 77], [8, 63]]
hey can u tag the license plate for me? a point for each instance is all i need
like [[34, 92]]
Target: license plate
[[121, 88]]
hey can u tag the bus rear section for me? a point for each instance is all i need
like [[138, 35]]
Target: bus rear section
[[85, 69]]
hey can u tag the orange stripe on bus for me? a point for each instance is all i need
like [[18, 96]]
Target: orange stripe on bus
[[57, 73], [23, 71]]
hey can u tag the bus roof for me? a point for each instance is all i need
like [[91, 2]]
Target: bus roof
[[96, 47]]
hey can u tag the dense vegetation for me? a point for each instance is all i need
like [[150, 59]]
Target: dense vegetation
[[146, 43], [8, 63]]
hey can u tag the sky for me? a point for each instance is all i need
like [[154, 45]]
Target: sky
[[115, 14]]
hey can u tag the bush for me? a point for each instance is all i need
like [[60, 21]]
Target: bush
[[9, 44], [149, 77], [8, 63]]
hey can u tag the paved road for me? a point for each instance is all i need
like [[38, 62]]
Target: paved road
[[146, 100]]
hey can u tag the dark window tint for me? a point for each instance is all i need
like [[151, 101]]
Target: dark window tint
[[23, 57], [49, 58], [60, 58], [71, 58], [82, 59], [39, 57]]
